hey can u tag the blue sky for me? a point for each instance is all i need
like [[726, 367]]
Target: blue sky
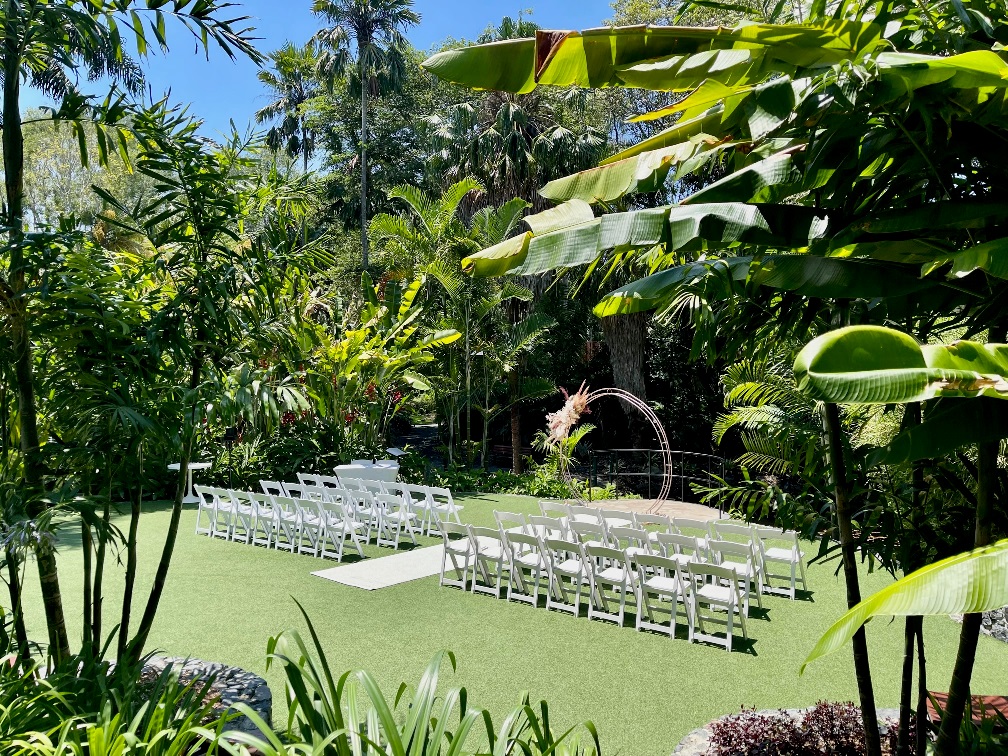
[[220, 89]]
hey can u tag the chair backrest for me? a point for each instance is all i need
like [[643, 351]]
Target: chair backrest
[[509, 520], [764, 533], [657, 564], [733, 550], [617, 516], [263, 501], [351, 484], [441, 497], [701, 571], [561, 548], [522, 542], [296, 490], [453, 529], [689, 526], [579, 513], [205, 494], [546, 527], [726, 530], [626, 538], [676, 543], [607, 555], [286, 504], [418, 494], [554, 509], [653, 523], [309, 479], [330, 481], [390, 503], [396, 489], [272, 487], [588, 531]]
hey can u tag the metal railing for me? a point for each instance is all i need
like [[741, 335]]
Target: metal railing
[[617, 465]]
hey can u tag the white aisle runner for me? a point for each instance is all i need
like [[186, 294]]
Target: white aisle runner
[[372, 574]]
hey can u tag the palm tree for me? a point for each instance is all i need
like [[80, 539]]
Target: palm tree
[[48, 45], [377, 29], [292, 80]]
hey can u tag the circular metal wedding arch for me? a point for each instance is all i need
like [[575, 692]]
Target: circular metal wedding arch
[[666, 453]]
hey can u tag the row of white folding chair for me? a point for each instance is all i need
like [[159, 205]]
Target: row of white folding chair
[[772, 546], [430, 503], [612, 576], [635, 540], [388, 516]]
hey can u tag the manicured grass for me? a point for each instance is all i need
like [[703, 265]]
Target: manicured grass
[[643, 691]]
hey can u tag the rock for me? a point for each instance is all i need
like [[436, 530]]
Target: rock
[[994, 624], [232, 684]]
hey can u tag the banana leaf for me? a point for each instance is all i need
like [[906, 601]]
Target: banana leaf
[[976, 581], [876, 365], [953, 424]]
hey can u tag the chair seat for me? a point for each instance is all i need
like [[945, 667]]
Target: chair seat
[[663, 584], [618, 522], [490, 548], [584, 518], [741, 568], [460, 548], [531, 560], [570, 567], [719, 594], [632, 551], [780, 554], [612, 575]]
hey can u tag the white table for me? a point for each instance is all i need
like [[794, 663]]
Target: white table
[[190, 497], [385, 470]]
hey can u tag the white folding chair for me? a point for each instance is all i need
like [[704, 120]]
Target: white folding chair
[[312, 526], [351, 484], [554, 509], [309, 479], [264, 522], [373, 487], [491, 559], [578, 513], [442, 507], [732, 530], [242, 516], [616, 518], [422, 505], [631, 541], [330, 481], [653, 524], [588, 533], [511, 522], [364, 510], [340, 527], [395, 519], [546, 527], [272, 488], [610, 578], [457, 549], [717, 588], [204, 507], [295, 490], [566, 572], [742, 559], [789, 553], [699, 529], [661, 589], [287, 522], [525, 554], [223, 519], [681, 548]]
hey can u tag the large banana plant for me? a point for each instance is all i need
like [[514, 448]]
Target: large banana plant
[[976, 581]]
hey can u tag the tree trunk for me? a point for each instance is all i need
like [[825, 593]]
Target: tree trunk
[[365, 261], [922, 694], [514, 388], [14, 590], [626, 335], [862, 669], [969, 635], [911, 628], [135, 648], [98, 600], [13, 161], [131, 565], [87, 548]]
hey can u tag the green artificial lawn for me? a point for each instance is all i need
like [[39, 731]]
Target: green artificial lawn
[[644, 692]]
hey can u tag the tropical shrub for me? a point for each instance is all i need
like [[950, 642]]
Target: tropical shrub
[[350, 716]]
